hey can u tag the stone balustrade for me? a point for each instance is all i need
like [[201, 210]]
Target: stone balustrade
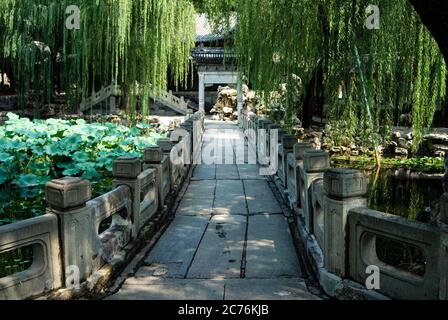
[[70, 237], [285, 148], [340, 235], [294, 163], [41, 234], [366, 226]]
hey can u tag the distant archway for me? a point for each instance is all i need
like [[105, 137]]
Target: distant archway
[[217, 66]]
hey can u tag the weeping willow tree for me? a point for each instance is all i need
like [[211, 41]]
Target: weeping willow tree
[[280, 40], [136, 43], [218, 12]]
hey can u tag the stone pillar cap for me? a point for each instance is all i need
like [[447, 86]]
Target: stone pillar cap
[[316, 161], [165, 144], [68, 192], [127, 167], [153, 154], [289, 141], [301, 148], [345, 183], [67, 181]]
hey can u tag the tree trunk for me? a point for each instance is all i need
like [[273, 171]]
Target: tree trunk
[[313, 98]]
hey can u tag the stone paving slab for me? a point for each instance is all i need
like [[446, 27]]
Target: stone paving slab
[[227, 172], [176, 248], [250, 172], [260, 198], [231, 289], [195, 207], [221, 251], [230, 198], [200, 189], [270, 249], [172, 289], [267, 289], [204, 172]]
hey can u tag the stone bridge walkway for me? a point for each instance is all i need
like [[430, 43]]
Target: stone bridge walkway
[[229, 239]]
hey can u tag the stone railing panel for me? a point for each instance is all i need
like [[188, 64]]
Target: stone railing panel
[[318, 211], [118, 205], [295, 160], [149, 199], [314, 164], [285, 148], [127, 172], [45, 273], [155, 159], [365, 226]]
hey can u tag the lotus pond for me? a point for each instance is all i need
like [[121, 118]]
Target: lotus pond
[[34, 152]]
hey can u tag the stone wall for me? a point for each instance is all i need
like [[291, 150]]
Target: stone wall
[[66, 241]]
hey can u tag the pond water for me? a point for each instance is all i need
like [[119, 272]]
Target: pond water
[[409, 198]]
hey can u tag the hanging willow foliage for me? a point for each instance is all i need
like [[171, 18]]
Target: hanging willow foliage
[[280, 39], [133, 42]]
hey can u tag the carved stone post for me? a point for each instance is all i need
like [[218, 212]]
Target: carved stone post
[[293, 173], [67, 198], [178, 154], [345, 189], [286, 147], [269, 127], [315, 163], [252, 131], [155, 159], [166, 145], [126, 171], [188, 146]]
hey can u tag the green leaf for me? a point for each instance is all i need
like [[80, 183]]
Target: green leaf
[[30, 180], [80, 156], [71, 172], [6, 157]]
